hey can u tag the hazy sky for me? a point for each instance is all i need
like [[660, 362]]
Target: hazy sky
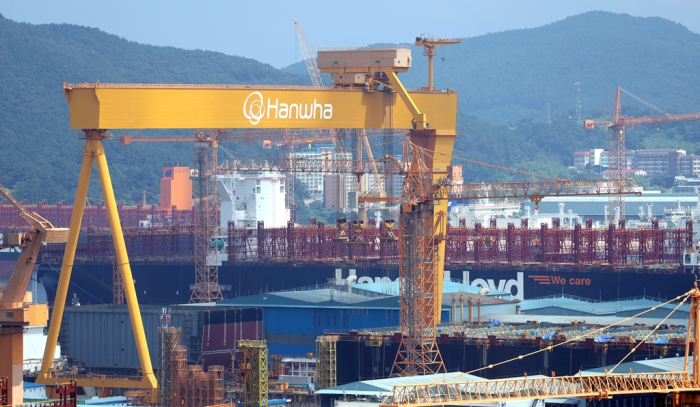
[[262, 29]]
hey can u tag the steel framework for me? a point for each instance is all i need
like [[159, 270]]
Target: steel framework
[[95, 217], [169, 339], [254, 370], [580, 247], [326, 358], [446, 393], [190, 385], [206, 287], [178, 372], [418, 284]]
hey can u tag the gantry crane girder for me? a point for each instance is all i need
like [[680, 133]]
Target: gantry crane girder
[[142, 106]]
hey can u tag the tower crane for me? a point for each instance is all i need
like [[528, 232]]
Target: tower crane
[[429, 45], [15, 311], [616, 139]]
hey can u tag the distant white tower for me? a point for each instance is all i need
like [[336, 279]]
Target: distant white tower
[[577, 86]]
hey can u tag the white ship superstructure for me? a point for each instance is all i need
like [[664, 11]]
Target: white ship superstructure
[[251, 196]]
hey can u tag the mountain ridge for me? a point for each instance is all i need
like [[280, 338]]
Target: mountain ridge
[[503, 78]]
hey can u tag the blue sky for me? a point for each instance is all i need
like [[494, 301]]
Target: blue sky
[[262, 29]]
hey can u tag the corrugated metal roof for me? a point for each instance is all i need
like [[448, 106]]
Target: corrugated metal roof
[[382, 387], [674, 364], [597, 308], [300, 299], [592, 320], [366, 295], [326, 294], [392, 288]]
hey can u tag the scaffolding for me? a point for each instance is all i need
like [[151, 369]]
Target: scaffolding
[[578, 248], [169, 339], [191, 386], [178, 376], [254, 370], [326, 376]]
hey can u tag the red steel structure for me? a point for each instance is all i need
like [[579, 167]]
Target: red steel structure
[[317, 244], [67, 395], [95, 217]]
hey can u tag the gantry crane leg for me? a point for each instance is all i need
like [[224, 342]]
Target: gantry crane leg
[[94, 152]]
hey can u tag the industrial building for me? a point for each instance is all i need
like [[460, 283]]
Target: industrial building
[[88, 330], [291, 320], [580, 307]]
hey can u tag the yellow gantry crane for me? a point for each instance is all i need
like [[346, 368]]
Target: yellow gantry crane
[[16, 312], [96, 108]]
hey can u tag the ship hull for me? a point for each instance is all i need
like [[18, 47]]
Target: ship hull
[[170, 284]]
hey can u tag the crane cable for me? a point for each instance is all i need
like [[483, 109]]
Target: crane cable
[[550, 347], [427, 152], [651, 332], [646, 103]]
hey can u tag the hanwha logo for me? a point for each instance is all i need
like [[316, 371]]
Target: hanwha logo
[[256, 109]]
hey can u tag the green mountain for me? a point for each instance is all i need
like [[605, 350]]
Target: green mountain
[[504, 80], [503, 77], [40, 155]]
